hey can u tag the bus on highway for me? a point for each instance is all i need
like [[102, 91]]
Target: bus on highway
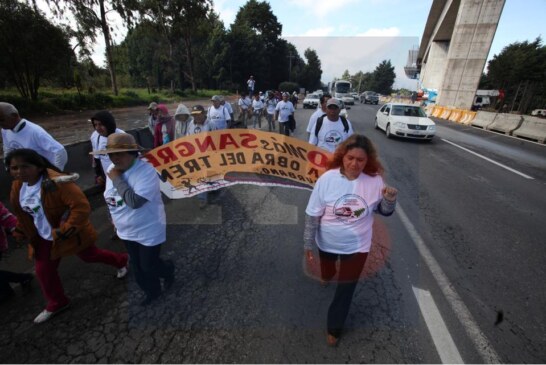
[[339, 88]]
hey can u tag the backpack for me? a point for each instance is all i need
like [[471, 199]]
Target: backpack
[[318, 124]]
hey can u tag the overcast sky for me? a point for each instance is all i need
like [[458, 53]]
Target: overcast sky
[[358, 34]]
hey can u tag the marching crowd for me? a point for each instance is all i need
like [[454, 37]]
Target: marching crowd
[[51, 213]]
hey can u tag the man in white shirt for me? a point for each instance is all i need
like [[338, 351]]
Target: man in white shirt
[[229, 108], [257, 111], [18, 132], [250, 83], [283, 111], [331, 129], [244, 104], [321, 110], [218, 114]]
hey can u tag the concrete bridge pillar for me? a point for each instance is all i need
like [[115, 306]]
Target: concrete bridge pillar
[[473, 33]]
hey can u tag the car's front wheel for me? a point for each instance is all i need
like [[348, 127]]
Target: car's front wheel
[[375, 124], [388, 131]]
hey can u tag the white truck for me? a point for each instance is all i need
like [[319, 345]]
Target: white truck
[[483, 98]]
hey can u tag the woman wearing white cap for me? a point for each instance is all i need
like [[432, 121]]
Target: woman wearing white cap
[[134, 199]]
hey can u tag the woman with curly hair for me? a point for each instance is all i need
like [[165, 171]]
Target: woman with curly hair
[[339, 219]]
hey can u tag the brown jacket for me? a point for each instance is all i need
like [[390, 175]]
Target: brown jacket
[[66, 209]]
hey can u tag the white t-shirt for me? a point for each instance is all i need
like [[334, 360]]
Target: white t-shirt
[[228, 107], [285, 109], [331, 134], [30, 198], [271, 104], [34, 137], [218, 116], [199, 128], [346, 208], [313, 119], [251, 83], [146, 225], [98, 142], [257, 106], [245, 103]]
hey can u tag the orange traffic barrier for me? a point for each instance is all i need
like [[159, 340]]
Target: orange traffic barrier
[[437, 112], [446, 113], [455, 115], [467, 117]]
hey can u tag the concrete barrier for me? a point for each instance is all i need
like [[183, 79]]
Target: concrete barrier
[[467, 117], [483, 119], [505, 123], [532, 128], [455, 115]]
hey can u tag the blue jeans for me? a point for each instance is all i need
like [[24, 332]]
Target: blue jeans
[[148, 267], [257, 120]]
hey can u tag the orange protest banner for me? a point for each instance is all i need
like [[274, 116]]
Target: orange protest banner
[[209, 161]]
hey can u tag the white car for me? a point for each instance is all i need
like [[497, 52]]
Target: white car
[[311, 101], [404, 120], [349, 100]]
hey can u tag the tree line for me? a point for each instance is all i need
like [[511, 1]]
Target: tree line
[[380, 80], [520, 70], [175, 45]]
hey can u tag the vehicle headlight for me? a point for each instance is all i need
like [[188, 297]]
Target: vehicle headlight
[[431, 128], [399, 125]]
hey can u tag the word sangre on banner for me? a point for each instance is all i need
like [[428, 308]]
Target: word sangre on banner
[[208, 161]]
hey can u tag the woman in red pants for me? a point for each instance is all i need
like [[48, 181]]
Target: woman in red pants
[[53, 215]]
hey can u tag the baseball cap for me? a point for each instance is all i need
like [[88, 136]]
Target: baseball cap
[[197, 109], [216, 98], [333, 101], [153, 106]]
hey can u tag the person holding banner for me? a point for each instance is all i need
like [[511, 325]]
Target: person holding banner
[[339, 219], [134, 199]]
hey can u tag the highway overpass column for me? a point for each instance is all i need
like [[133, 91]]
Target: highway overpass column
[[471, 40]]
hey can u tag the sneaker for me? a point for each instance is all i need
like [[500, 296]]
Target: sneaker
[[46, 315], [122, 272]]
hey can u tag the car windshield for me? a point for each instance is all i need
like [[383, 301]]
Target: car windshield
[[408, 111], [312, 96]]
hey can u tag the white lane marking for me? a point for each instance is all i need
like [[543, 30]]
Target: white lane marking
[[445, 346], [482, 345], [490, 160]]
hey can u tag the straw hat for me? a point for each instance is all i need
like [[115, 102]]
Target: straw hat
[[119, 142]]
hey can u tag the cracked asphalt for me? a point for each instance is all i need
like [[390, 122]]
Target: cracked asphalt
[[241, 295]]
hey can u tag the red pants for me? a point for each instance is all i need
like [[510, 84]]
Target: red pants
[[48, 275]]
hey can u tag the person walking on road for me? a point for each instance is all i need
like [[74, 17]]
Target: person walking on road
[[321, 110], [164, 129], [104, 124], [182, 119], [339, 219], [18, 132], [218, 114], [8, 222], [270, 105], [152, 117], [283, 111], [244, 106], [133, 196], [53, 216], [331, 129], [251, 83], [257, 111]]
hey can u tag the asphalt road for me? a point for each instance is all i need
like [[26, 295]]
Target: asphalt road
[[464, 250]]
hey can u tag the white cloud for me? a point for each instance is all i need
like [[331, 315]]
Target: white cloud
[[227, 10], [321, 8], [318, 32], [380, 32]]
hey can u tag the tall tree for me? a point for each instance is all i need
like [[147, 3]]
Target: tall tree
[[312, 70], [23, 32], [519, 70], [383, 77], [91, 18], [346, 75], [178, 19]]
